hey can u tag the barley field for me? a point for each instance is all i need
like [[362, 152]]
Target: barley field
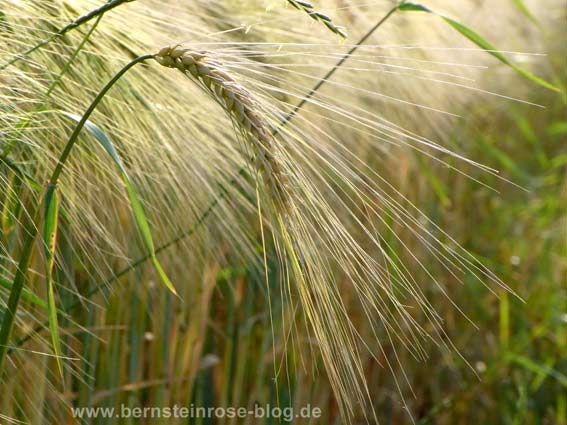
[[283, 211]]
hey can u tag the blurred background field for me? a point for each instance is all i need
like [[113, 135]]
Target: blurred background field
[[228, 342]]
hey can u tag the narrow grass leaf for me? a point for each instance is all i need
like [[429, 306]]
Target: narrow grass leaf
[[21, 173], [412, 7], [521, 5], [480, 42], [51, 221], [26, 295], [137, 209], [536, 368], [162, 274]]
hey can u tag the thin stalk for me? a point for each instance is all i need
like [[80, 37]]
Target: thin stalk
[[87, 114], [17, 287], [77, 23], [32, 229], [224, 192], [340, 63]]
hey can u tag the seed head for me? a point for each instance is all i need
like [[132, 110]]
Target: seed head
[[241, 106]]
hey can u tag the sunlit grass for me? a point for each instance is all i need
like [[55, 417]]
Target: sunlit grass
[[407, 259]]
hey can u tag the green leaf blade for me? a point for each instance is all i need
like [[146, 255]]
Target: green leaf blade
[[51, 223], [521, 5], [162, 275], [139, 216], [53, 325], [477, 39], [137, 208], [413, 7], [21, 173], [26, 295], [480, 42]]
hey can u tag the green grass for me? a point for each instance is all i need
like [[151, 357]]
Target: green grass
[[521, 346]]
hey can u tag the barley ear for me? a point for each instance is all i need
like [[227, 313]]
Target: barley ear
[[242, 108], [318, 16]]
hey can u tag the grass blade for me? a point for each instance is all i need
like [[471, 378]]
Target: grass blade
[[26, 295], [50, 243], [480, 42], [17, 289], [521, 5], [21, 173], [538, 369], [137, 209]]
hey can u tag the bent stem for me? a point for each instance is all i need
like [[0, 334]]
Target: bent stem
[[223, 192], [31, 227], [87, 114]]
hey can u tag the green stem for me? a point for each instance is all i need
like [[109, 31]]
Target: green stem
[[31, 228], [224, 192], [17, 287], [78, 22], [87, 114], [340, 63]]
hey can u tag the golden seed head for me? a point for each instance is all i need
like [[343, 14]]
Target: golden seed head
[[239, 104], [164, 52], [177, 52]]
